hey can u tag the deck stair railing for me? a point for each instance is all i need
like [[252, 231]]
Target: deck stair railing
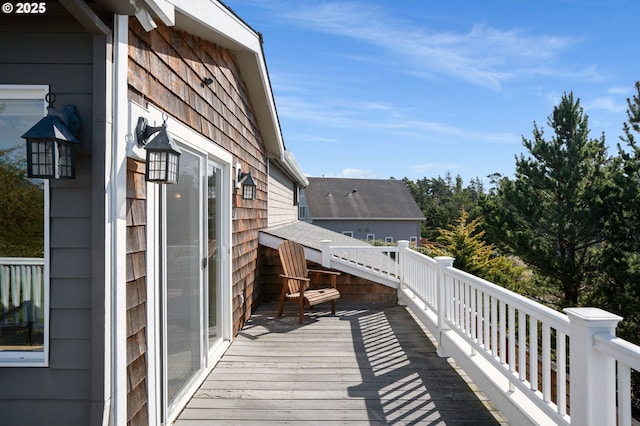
[[520, 353]]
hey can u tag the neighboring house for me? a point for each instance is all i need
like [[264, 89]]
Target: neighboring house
[[138, 287], [366, 209]]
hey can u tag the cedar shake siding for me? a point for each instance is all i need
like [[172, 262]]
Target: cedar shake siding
[[137, 395], [167, 68]]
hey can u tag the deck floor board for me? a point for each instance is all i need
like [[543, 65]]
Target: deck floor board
[[367, 365]]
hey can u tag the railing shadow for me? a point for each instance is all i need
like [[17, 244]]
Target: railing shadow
[[404, 381]]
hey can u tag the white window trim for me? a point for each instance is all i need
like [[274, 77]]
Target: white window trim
[[31, 358], [348, 233], [371, 237]]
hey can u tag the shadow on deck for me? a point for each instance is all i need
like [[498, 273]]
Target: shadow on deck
[[367, 365]]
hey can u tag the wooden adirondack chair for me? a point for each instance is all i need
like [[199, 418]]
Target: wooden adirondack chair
[[296, 282]]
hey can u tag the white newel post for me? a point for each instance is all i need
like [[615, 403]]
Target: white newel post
[[593, 374], [442, 262], [325, 246], [402, 245]]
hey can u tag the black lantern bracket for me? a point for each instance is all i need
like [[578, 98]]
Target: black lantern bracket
[[144, 131], [52, 142]]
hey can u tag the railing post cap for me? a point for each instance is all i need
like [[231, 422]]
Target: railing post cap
[[444, 259], [592, 316]]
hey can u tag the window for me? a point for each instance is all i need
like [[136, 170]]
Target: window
[[388, 239], [24, 235], [371, 237], [302, 212], [348, 233], [413, 241]]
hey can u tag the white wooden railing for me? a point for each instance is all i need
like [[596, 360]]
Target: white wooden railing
[[22, 280], [514, 349]]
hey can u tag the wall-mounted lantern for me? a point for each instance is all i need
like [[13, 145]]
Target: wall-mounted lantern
[[51, 143], [163, 155], [248, 185]]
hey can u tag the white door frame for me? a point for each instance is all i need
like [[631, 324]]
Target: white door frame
[[224, 160]]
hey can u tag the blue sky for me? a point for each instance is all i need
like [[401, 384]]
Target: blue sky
[[419, 88]]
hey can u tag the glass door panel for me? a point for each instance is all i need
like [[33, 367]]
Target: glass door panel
[[214, 179], [183, 239]]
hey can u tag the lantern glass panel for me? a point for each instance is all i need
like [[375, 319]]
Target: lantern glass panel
[[43, 160], [172, 167], [156, 166], [66, 156], [248, 192], [162, 166]]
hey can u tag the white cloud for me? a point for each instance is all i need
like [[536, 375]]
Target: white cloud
[[312, 138], [606, 103], [429, 168], [483, 55], [623, 91], [356, 173]]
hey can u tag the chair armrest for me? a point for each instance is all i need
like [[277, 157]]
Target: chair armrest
[[319, 272], [294, 278], [322, 271]]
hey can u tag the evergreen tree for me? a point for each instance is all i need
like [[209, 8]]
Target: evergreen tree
[[22, 213], [619, 290], [551, 214], [465, 242], [442, 199]]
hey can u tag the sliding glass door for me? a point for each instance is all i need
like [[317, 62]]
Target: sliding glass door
[[183, 304], [214, 252], [192, 253]]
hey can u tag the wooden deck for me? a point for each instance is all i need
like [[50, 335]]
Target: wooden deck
[[365, 366]]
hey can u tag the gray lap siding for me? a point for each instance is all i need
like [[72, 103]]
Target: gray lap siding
[[39, 50]]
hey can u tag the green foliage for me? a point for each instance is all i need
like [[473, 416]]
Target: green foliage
[[552, 214], [464, 241], [22, 212], [618, 290], [442, 199]]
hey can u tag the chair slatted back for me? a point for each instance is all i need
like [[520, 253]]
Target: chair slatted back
[[294, 263]]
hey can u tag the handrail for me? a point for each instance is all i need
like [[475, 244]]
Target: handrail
[[21, 285], [380, 261], [525, 342]]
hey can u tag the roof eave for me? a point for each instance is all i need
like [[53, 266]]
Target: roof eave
[[213, 21]]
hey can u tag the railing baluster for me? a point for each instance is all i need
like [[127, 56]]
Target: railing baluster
[[486, 336], [503, 334], [474, 315], [512, 344], [546, 362], [522, 345], [494, 326], [533, 353], [561, 370], [624, 388]]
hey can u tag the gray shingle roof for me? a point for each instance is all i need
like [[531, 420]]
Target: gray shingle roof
[[339, 198], [310, 235]]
